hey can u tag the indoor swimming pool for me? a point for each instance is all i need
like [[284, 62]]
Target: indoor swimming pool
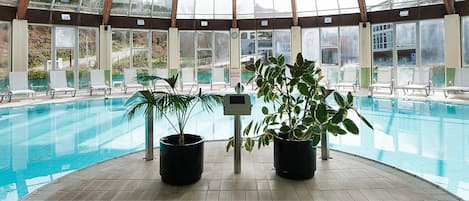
[[44, 142]]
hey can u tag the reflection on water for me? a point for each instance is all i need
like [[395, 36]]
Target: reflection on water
[[429, 139], [44, 142]]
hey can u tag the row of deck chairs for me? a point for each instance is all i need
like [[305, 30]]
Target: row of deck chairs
[[420, 79], [18, 84], [188, 78]]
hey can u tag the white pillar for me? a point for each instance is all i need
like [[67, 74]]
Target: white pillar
[[173, 46], [452, 41], [19, 45], [365, 53], [295, 42], [105, 51], [235, 72]]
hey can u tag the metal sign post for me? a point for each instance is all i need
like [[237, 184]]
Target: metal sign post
[[237, 104], [237, 136]]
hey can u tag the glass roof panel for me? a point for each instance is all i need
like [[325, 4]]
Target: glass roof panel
[[348, 6], [376, 5], [263, 8], [245, 9], [430, 2], [162, 8], [42, 4], [328, 7], [282, 8], [8, 2], [92, 6], [203, 9], [223, 9], [404, 3], [140, 7], [67, 5], [185, 9], [120, 7], [306, 8]]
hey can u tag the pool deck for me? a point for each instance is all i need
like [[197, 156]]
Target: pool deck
[[344, 177]]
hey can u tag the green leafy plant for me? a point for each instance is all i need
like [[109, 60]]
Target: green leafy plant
[[299, 110], [164, 104]]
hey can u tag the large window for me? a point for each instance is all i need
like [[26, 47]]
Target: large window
[[4, 54], [465, 41], [39, 55], [329, 41], [382, 44], [263, 44], [406, 44], [159, 50], [432, 49], [87, 54], [120, 53], [211, 49], [310, 45]]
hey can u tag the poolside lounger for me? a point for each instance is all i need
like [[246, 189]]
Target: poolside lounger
[[420, 81], [163, 73], [382, 80], [349, 79], [130, 79], [18, 84], [97, 82], [58, 83], [460, 84], [188, 78], [218, 77]]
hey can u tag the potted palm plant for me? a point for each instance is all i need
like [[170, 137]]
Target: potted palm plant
[[297, 115], [181, 154]]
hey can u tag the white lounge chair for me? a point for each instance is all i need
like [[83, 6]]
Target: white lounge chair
[[97, 82], [420, 81], [58, 83], [130, 79], [325, 80], [218, 77], [461, 82], [163, 73], [188, 77], [382, 80], [349, 78], [18, 84]]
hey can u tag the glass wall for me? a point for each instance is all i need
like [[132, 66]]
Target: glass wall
[[39, 55], [4, 54], [432, 49], [120, 54], [211, 49], [263, 44], [64, 52], [382, 42], [87, 54], [465, 41], [329, 44], [310, 44]]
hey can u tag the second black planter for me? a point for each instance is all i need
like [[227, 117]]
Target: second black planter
[[181, 164], [294, 159]]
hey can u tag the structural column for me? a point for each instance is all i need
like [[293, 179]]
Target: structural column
[[295, 42], [105, 51], [19, 45], [235, 72], [365, 54], [452, 45], [173, 53]]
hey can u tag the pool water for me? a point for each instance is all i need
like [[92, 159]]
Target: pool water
[[41, 143]]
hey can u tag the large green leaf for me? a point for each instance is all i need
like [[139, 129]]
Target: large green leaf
[[299, 59], [339, 99], [321, 113], [339, 116], [304, 90], [316, 140], [265, 110], [350, 126], [335, 129]]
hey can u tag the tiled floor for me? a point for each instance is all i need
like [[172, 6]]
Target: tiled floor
[[344, 177]]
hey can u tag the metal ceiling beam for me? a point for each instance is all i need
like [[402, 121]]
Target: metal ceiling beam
[[294, 13], [449, 5], [107, 11], [22, 8], [234, 21], [174, 9], [363, 13]]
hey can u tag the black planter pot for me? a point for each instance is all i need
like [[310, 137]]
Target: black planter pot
[[294, 159], [181, 164]]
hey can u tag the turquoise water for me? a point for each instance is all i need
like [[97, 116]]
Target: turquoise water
[[41, 143]]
